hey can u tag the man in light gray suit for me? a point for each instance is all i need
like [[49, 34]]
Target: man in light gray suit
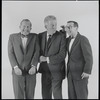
[[23, 52], [52, 59], [79, 63]]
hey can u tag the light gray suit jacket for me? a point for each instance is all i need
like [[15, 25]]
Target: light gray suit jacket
[[20, 56]]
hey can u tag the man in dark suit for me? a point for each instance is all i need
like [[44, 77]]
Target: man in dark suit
[[79, 63], [52, 55], [23, 52]]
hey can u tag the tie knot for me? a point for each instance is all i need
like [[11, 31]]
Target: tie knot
[[71, 37], [50, 36]]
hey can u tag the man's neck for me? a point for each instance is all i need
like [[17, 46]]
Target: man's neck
[[50, 33], [24, 34]]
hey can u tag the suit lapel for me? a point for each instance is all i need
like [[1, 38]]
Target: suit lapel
[[68, 41], [19, 39], [44, 41], [20, 42], [28, 40], [27, 43], [75, 42], [53, 38]]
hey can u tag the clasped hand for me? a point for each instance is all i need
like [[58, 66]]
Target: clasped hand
[[43, 59], [19, 72], [32, 70]]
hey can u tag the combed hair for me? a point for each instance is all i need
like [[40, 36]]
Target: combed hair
[[49, 17], [27, 20], [75, 23]]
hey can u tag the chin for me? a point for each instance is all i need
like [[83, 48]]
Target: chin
[[26, 33]]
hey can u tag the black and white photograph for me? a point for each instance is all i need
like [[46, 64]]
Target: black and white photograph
[[50, 49]]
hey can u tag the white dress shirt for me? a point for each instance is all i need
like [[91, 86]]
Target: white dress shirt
[[70, 44], [24, 41], [48, 36]]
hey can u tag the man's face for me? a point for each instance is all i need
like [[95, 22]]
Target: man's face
[[70, 29], [25, 27], [51, 26]]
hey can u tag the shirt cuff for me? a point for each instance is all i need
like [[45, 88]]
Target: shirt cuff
[[48, 61], [33, 66], [15, 66]]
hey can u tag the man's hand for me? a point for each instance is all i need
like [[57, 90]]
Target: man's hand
[[17, 70], [63, 28], [84, 75], [43, 59], [32, 70]]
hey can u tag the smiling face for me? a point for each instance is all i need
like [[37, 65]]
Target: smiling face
[[71, 29], [51, 26], [25, 27]]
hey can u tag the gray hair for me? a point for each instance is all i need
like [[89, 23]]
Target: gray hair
[[49, 18]]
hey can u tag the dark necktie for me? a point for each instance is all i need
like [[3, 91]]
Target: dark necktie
[[49, 40], [47, 44]]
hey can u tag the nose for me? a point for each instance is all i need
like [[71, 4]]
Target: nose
[[25, 28], [54, 26]]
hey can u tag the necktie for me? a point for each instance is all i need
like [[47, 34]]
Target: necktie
[[47, 44], [49, 40]]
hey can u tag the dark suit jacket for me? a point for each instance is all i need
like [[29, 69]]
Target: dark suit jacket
[[56, 53], [80, 57], [20, 56]]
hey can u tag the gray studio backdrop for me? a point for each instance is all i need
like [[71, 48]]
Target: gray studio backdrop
[[85, 13]]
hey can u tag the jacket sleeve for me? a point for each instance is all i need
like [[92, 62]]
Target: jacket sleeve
[[35, 58], [11, 53], [60, 56], [87, 53]]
